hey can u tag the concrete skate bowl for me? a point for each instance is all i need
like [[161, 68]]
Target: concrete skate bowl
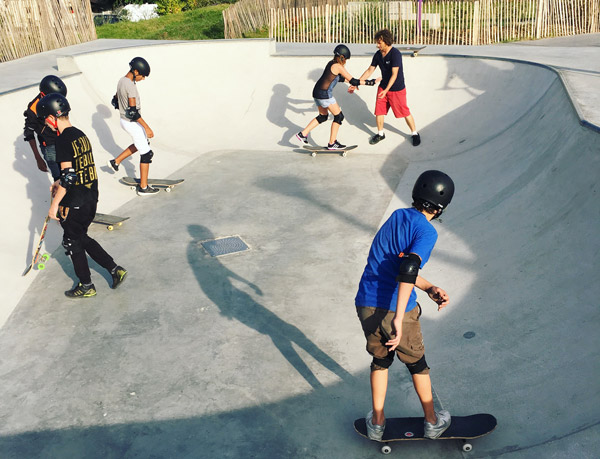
[[139, 375]]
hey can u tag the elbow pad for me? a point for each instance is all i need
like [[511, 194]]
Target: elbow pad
[[341, 79], [354, 82], [409, 268], [132, 113], [68, 178]]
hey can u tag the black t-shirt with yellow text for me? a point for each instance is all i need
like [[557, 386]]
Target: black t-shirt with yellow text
[[73, 146]]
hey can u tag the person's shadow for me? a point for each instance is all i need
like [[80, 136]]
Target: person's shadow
[[107, 141], [279, 104], [215, 280]]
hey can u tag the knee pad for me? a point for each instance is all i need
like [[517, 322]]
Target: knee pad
[[146, 158], [338, 118], [382, 364], [418, 367], [72, 246], [322, 118]]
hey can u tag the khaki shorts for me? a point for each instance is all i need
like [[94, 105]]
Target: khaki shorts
[[377, 327]]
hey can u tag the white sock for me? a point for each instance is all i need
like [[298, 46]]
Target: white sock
[[415, 133], [380, 133]]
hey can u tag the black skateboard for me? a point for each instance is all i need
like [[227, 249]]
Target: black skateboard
[[402, 429], [342, 152], [156, 183], [109, 220]]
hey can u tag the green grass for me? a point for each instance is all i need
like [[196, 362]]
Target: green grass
[[200, 24]]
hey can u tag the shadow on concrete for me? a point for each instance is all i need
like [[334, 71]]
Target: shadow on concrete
[[279, 104], [215, 280]]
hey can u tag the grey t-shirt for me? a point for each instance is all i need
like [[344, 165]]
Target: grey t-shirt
[[126, 89]]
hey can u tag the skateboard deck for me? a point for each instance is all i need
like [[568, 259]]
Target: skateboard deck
[[109, 220], [414, 50], [157, 183], [405, 429], [37, 258], [315, 150]]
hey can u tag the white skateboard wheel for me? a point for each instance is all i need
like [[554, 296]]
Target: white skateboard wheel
[[313, 154], [386, 449], [467, 447]]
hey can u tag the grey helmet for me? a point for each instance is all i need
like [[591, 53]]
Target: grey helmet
[[342, 50], [52, 84], [141, 65], [434, 190], [53, 104]]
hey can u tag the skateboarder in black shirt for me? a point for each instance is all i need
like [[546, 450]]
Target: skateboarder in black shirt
[[75, 196], [36, 126]]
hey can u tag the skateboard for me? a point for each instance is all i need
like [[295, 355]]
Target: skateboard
[[403, 429], [37, 258], [157, 183], [315, 150], [109, 220], [414, 50]]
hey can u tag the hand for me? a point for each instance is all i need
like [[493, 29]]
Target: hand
[[351, 89], [41, 164], [53, 212], [397, 327], [149, 132], [382, 94], [439, 296]]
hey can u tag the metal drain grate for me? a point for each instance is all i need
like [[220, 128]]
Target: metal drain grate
[[224, 246]]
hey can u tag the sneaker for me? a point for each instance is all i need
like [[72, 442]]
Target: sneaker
[[113, 165], [335, 146], [118, 275], [416, 140], [146, 191], [443, 422], [301, 138], [374, 431], [81, 291], [376, 139]]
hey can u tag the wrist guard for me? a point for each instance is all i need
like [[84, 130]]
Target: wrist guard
[[115, 102], [370, 82], [354, 82]]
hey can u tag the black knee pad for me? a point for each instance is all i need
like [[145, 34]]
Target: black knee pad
[[382, 364], [338, 118], [147, 157], [418, 367], [72, 246], [322, 118]]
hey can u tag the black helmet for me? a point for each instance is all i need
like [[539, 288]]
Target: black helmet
[[53, 104], [52, 84], [434, 190], [342, 50], [141, 65]]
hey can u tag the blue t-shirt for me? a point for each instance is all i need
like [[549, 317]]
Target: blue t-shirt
[[406, 231]]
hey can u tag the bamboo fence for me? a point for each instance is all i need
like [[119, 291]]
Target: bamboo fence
[[32, 26], [435, 22]]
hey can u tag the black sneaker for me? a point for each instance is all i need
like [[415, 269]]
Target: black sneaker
[[113, 165], [301, 138], [118, 276], [335, 146], [376, 139], [416, 140], [81, 291], [146, 191]]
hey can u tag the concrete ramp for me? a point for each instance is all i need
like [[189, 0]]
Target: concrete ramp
[[260, 353]]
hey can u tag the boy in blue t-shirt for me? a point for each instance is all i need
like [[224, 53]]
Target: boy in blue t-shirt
[[386, 301]]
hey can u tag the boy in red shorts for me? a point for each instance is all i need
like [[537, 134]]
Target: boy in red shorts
[[392, 91]]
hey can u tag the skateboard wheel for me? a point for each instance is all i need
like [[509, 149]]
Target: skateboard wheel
[[45, 257], [313, 154], [41, 266], [168, 190], [467, 447], [343, 154], [386, 449], [132, 187], [109, 227]]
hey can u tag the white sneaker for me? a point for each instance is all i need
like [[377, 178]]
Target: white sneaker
[[374, 431], [443, 422]]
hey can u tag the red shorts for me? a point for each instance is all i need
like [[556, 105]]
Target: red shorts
[[394, 99]]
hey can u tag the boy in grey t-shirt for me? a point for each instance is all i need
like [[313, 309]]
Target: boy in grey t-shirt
[[127, 100]]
